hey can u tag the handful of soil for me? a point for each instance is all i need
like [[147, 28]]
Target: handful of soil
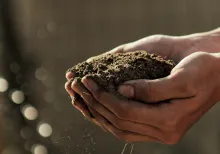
[[111, 70]]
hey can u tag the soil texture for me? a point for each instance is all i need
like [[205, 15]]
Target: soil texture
[[111, 70]]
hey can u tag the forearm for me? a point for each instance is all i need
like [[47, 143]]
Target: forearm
[[211, 39], [206, 42]]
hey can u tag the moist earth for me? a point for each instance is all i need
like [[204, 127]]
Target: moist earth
[[111, 70]]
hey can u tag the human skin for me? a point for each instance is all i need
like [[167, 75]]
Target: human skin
[[192, 88]]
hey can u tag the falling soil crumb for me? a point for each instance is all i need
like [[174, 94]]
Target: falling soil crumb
[[111, 70]]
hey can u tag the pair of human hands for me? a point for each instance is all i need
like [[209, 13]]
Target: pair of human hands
[[190, 90]]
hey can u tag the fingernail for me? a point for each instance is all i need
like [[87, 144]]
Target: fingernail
[[70, 91], [74, 82], [90, 84], [126, 90], [69, 75], [74, 99]]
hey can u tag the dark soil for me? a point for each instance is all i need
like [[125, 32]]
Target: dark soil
[[111, 70]]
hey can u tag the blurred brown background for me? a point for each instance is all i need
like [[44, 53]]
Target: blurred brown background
[[54, 35]]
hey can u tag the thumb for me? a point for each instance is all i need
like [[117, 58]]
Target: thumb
[[154, 90]]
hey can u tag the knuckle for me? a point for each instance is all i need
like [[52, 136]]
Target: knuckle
[[158, 37], [118, 49], [161, 39], [121, 48]]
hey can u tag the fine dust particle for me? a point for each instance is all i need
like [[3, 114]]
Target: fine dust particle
[[123, 150], [86, 144], [132, 148]]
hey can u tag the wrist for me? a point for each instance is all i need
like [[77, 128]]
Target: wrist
[[206, 41]]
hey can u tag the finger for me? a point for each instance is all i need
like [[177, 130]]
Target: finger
[[126, 109], [126, 135], [134, 127], [87, 113], [69, 89], [128, 47], [79, 105], [119, 123], [171, 87], [97, 116], [118, 49], [70, 75], [84, 93], [88, 98], [158, 44], [79, 88]]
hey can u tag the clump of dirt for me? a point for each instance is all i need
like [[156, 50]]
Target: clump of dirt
[[111, 70]]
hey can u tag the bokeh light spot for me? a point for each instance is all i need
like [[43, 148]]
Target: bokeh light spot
[[3, 85], [44, 129], [41, 74], [17, 97], [30, 112], [39, 149]]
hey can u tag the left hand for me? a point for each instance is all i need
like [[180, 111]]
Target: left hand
[[190, 90]]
